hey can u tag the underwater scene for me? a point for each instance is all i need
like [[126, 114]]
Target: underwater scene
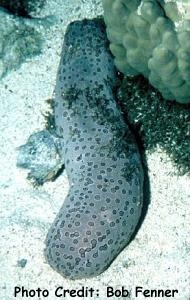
[[95, 149]]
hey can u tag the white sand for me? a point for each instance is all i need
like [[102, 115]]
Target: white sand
[[159, 255]]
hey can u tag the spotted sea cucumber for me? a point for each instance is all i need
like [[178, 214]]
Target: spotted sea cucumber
[[101, 157]]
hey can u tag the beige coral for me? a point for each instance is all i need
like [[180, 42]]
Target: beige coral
[[152, 38]]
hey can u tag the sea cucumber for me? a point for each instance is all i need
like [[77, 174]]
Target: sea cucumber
[[101, 157]]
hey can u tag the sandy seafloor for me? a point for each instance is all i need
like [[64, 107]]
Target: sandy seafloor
[[158, 257]]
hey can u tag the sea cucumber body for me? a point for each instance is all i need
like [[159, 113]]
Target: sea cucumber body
[[104, 203]]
